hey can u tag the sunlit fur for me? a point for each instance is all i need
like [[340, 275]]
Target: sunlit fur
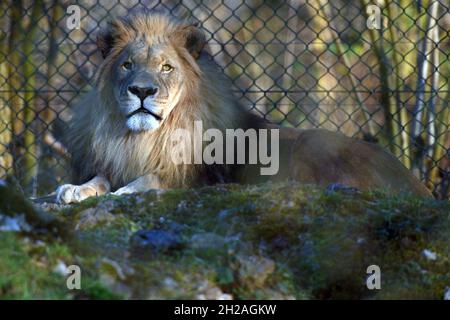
[[102, 143]]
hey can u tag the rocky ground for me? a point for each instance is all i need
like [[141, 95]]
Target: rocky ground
[[270, 241]]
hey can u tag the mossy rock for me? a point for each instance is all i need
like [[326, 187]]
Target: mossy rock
[[268, 241]]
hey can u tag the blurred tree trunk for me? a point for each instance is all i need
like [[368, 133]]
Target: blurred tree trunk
[[13, 59], [5, 111], [29, 73], [388, 83], [398, 64]]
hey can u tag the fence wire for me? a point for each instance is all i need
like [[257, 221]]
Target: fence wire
[[374, 72]]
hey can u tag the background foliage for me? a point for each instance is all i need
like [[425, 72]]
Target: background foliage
[[301, 63]]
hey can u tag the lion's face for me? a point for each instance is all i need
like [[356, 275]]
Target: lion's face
[[148, 70], [149, 81]]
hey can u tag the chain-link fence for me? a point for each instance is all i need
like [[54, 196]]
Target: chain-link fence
[[374, 70]]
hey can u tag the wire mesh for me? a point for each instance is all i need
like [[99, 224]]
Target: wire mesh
[[300, 63]]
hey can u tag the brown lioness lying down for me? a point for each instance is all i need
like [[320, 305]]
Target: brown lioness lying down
[[156, 79]]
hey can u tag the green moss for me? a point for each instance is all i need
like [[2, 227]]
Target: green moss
[[22, 277], [320, 244]]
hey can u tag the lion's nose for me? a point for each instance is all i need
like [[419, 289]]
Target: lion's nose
[[142, 93]]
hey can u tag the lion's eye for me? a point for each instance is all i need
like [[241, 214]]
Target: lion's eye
[[166, 68], [127, 65]]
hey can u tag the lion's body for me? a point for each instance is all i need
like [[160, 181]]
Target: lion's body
[[322, 157], [101, 145]]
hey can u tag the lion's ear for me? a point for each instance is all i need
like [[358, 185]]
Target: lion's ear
[[105, 42], [194, 39]]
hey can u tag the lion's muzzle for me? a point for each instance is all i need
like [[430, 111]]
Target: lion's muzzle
[[142, 109]]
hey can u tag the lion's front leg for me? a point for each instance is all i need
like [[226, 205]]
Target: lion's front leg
[[69, 193], [144, 183]]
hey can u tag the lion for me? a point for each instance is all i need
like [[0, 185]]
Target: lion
[[156, 77]]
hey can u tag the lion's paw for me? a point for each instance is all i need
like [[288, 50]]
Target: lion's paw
[[123, 191], [69, 193]]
